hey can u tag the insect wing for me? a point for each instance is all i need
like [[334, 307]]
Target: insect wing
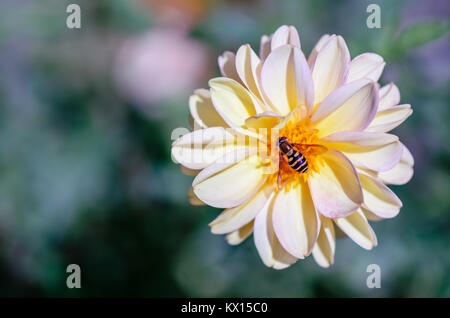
[[314, 148]]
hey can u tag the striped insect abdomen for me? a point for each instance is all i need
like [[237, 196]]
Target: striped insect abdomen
[[295, 158], [298, 162]]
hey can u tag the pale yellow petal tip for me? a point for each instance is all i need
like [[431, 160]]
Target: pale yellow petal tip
[[322, 260], [372, 244], [215, 80], [214, 229], [188, 172], [196, 202], [324, 263], [263, 120], [233, 239], [212, 223], [280, 267], [193, 199]]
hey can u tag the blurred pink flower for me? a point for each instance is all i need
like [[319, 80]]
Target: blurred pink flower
[[160, 65]]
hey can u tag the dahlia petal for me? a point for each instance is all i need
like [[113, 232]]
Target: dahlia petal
[[216, 185], [330, 67], [378, 198], [295, 220], [390, 118], [389, 96], [402, 172], [323, 251], [303, 81], [269, 248], [189, 172], [248, 65], [264, 120], [313, 55], [367, 65], [407, 157], [374, 151], [193, 200], [336, 190], [286, 79], [285, 34], [202, 110], [370, 216], [339, 233], [200, 148], [232, 219], [264, 48], [227, 66], [277, 80], [358, 229], [238, 236], [232, 101], [351, 107], [193, 124]]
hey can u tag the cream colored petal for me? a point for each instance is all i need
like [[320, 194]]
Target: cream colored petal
[[398, 175], [269, 248], [231, 100], [390, 118], [389, 97], [232, 219], [338, 232], [248, 66], [367, 65], [200, 148], [295, 220], [264, 120], [193, 200], [313, 55], [370, 216], [297, 114], [189, 172], [330, 67], [264, 48], [303, 81], [227, 66], [286, 79], [402, 172], [407, 157], [285, 34], [374, 151], [358, 229], [378, 198], [277, 79], [203, 111], [230, 180], [349, 108], [335, 188], [193, 125], [323, 251], [238, 236]]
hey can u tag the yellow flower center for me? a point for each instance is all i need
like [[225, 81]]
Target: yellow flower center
[[304, 137]]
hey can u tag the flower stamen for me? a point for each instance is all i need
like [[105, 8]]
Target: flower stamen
[[304, 137]]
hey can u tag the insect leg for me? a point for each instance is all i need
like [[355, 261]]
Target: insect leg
[[279, 171]]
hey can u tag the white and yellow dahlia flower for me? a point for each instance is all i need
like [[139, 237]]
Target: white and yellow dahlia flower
[[327, 100]]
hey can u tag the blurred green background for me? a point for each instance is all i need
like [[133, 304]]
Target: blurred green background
[[86, 177]]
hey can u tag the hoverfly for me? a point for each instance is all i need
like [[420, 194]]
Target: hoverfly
[[294, 158]]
